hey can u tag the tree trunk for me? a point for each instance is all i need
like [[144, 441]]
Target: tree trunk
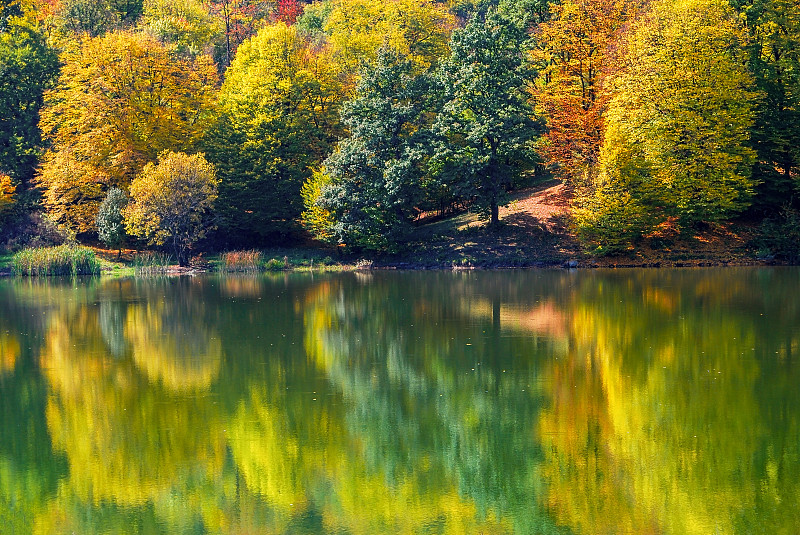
[[495, 214]]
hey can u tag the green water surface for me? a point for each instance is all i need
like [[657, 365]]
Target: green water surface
[[521, 402]]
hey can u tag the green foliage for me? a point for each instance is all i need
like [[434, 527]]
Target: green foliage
[[86, 17], [110, 227], [278, 118], [677, 127], [773, 28], [54, 261], [780, 235], [485, 128], [274, 264], [28, 67], [170, 203], [375, 174]]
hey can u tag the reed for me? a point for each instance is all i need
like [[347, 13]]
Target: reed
[[61, 260], [151, 263], [241, 261]]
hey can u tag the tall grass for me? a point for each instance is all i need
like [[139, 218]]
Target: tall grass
[[241, 261], [150, 263], [53, 261]]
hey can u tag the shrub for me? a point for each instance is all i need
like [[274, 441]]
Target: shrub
[[110, 228], [274, 265], [61, 260], [780, 235]]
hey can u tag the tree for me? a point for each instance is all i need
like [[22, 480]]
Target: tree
[[110, 227], [28, 67], [575, 50], [185, 24], [486, 128], [773, 49], [376, 173], [277, 119], [121, 100], [241, 20], [677, 136], [358, 29], [171, 202]]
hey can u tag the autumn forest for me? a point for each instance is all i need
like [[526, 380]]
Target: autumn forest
[[191, 124]]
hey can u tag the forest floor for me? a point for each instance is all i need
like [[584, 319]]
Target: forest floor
[[535, 231]]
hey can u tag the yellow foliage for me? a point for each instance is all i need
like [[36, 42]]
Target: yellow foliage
[[7, 190], [121, 99], [358, 28]]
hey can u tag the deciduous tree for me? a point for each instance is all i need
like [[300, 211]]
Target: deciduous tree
[[676, 145], [121, 100], [28, 67], [575, 52], [376, 174], [486, 125], [278, 119], [171, 202]]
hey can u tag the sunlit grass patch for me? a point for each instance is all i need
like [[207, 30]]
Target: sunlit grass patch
[[56, 261]]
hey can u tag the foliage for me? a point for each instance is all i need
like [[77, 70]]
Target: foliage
[[235, 261], [376, 173], [575, 51], [110, 227], [358, 29], [54, 261], [780, 235], [240, 20], [772, 46], [121, 100], [185, 24], [86, 17], [678, 124], [27, 68], [486, 131], [316, 219], [7, 190], [278, 118], [170, 203]]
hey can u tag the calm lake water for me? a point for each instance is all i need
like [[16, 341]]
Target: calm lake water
[[632, 401]]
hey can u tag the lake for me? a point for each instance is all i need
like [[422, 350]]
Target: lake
[[474, 402]]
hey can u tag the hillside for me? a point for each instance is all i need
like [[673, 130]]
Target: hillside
[[535, 231]]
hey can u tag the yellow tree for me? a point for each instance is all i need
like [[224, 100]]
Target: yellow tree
[[170, 202], [121, 100], [357, 29], [677, 128]]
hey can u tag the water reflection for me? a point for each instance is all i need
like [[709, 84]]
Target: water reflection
[[477, 402]]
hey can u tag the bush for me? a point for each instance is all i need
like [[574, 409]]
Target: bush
[[110, 228], [275, 265], [245, 261], [780, 235], [61, 260]]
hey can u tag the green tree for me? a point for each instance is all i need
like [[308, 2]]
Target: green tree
[[171, 202], [677, 134], [773, 49], [121, 100], [277, 119], [376, 173], [110, 227], [28, 67], [485, 127]]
